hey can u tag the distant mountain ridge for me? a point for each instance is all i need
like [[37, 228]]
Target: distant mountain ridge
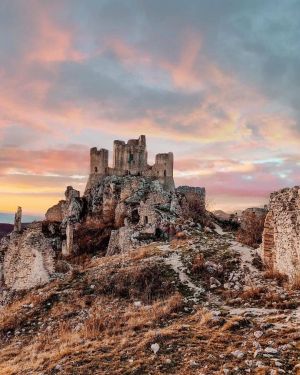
[[5, 229]]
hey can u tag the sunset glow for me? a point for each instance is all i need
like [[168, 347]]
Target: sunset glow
[[193, 79]]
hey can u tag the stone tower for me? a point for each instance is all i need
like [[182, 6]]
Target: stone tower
[[163, 170], [98, 161], [131, 159]]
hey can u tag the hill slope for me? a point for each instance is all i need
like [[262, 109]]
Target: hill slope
[[194, 306]]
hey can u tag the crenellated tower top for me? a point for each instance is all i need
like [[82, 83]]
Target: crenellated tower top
[[131, 158]]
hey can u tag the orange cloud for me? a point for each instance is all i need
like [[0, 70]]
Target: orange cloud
[[70, 161]]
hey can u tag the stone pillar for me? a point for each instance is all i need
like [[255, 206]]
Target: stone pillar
[[68, 245], [18, 220]]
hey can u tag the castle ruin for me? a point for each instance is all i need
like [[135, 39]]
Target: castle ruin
[[130, 159]]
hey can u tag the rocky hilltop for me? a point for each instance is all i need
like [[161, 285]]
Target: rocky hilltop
[[117, 213], [199, 304], [137, 277]]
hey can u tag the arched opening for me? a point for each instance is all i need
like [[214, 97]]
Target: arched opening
[[146, 220], [165, 173], [96, 169]]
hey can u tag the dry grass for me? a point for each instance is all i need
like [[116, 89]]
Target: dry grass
[[14, 313], [101, 330], [144, 252], [295, 284], [273, 274], [254, 292], [106, 330], [145, 281]]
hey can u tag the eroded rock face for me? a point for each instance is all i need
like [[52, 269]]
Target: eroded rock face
[[144, 210], [18, 220], [56, 212], [28, 259], [281, 236], [68, 209], [118, 213], [121, 240]]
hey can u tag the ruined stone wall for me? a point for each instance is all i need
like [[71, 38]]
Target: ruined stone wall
[[130, 157], [281, 236], [195, 197], [252, 226], [98, 160], [121, 241], [163, 170]]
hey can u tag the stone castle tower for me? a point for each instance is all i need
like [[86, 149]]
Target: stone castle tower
[[130, 159]]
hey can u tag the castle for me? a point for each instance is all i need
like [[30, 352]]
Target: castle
[[130, 159]]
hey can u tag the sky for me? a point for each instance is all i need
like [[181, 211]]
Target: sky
[[217, 82]]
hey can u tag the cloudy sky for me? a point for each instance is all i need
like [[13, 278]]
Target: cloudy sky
[[215, 81]]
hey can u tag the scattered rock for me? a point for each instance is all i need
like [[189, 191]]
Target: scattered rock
[[155, 348]]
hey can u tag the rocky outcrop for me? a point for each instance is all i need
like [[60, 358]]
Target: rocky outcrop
[[116, 214], [281, 237], [68, 244], [122, 240], [68, 209], [28, 259], [56, 212], [18, 220]]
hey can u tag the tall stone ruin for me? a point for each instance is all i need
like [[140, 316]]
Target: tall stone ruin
[[18, 220], [281, 236], [131, 159]]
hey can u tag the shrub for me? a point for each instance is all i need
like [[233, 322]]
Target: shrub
[[273, 274]]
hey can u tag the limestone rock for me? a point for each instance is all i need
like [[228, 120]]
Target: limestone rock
[[66, 210], [18, 220], [68, 245], [56, 212], [121, 240], [28, 259], [71, 193]]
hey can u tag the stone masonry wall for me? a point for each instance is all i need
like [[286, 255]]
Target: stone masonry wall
[[281, 236]]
